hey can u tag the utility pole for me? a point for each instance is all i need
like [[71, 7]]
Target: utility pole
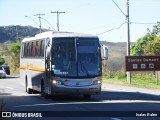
[[128, 41], [39, 16], [128, 34], [57, 18], [17, 34]]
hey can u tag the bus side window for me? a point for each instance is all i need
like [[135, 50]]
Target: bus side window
[[25, 49], [33, 49], [42, 48], [27, 55], [36, 49], [30, 49], [22, 50]]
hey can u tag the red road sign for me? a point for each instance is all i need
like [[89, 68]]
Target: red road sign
[[142, 63]]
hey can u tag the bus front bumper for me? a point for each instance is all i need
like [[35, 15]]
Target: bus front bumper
[[76, 90]]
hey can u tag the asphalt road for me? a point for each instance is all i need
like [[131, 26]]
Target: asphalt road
[[124, 104]]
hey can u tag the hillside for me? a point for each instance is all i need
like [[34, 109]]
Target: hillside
[[13, 33], [117, 53]]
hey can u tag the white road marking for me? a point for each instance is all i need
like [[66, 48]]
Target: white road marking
[[100, 102], [10, 88], [116, 119]]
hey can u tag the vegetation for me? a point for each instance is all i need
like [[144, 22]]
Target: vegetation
[[149, 44], [146, 45], [11, 55], [140, 79]]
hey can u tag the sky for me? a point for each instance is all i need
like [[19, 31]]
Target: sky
[[97, 17]]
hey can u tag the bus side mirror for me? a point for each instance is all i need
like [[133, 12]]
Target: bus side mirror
[[104, 52]]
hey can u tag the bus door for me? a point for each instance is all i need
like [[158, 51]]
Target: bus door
[[48, 58], [47, 63]]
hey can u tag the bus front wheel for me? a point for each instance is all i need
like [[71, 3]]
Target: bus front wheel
[[43, 93]]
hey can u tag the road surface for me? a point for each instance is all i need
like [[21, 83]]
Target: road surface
[[123, 102]]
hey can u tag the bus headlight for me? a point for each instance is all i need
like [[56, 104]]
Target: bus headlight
[[56, 82], [96, 82]]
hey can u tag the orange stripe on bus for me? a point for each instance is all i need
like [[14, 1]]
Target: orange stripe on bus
[[23, 67], [32, 68], [36, 69]]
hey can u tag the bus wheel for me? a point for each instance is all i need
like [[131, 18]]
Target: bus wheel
[[87, 96], [28, 90], [26, 84], [43, 93]]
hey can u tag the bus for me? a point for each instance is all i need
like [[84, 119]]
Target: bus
[[61, 63]]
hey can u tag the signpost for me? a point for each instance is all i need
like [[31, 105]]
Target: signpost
[[143, 63]]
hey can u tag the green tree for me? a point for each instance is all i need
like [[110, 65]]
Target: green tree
[[153, 47], [138, 47], [156, 29], [2, 61], [15, 54], [11, 54]]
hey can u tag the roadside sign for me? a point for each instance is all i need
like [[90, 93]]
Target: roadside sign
[[142, 63]]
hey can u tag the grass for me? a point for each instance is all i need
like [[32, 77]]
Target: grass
[[143, 80]]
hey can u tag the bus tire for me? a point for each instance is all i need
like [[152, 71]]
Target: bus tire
[[26, 84], [87, 96], [28, 90], [43, 93]]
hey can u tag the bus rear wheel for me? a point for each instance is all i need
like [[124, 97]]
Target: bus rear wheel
[[28, 90]]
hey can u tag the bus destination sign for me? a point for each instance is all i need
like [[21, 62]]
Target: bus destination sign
[[142, 63]]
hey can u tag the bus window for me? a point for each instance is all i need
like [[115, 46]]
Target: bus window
[[30, 49], [33, 49], [22, 50], [36, 49], [27, 55], [42, 48]]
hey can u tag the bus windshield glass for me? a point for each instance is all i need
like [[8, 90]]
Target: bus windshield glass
[[75, 57]]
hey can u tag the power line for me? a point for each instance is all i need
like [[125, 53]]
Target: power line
[[111, 29], [119, 8], [48, 23], [32, 20], [141, 23], [57, 12]]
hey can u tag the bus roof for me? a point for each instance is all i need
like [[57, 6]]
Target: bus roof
[[58, 34]]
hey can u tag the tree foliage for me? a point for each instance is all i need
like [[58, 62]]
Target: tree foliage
[[148, 44], [2, 61], [156, 29], [11, 54], [153, 47], [15, 54]]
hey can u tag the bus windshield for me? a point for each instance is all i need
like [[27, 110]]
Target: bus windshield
[[75, 57]]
